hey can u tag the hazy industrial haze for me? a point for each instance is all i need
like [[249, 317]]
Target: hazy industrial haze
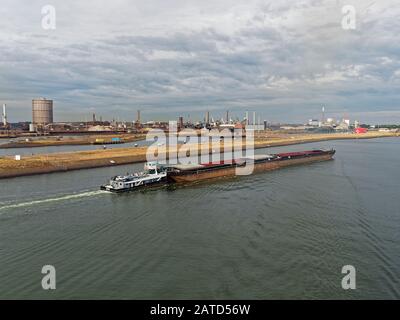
[[283, 59]]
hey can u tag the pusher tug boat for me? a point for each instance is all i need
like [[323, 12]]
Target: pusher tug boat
[[153, 174]]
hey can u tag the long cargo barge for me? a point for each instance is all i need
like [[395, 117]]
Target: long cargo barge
[[196, 172], [155, 173]]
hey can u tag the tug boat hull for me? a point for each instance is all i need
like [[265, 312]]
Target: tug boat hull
[[147, 184]]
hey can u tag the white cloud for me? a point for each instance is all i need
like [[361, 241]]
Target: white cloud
[[283, 59]]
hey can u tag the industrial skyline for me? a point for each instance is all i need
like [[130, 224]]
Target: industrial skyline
[[43, 122], [42, 114], [225, 115]]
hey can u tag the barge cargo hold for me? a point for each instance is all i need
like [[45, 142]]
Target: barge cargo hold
[[196, 172]]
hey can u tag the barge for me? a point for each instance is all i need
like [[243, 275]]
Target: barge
[[107, 141], [196, 172], [156, 174]]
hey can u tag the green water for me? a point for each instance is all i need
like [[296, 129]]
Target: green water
[[278, 235]]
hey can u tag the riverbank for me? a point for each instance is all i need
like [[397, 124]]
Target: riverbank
[[58, 162], [66, 141]]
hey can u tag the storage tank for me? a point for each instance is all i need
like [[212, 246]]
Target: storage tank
[[42, 111]]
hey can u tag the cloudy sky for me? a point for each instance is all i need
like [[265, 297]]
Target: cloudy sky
[[282, 59]]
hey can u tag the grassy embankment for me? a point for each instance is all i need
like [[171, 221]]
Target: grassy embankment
[[65, 141]]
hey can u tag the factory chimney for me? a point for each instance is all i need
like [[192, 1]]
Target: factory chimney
[[180, 123], [4, 115]]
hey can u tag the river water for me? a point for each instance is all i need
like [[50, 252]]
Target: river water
[[65, 148], [277, 235]]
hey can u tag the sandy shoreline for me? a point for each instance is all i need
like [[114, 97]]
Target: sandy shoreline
[[59, 162], [88, 140]]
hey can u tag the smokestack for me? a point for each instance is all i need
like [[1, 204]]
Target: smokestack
[[227, 116], [138, 116], [180, 125], [207, 117], [247, 117], [4, 115], [254, 118]]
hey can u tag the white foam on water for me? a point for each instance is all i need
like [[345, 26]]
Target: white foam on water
[[49, 200]]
